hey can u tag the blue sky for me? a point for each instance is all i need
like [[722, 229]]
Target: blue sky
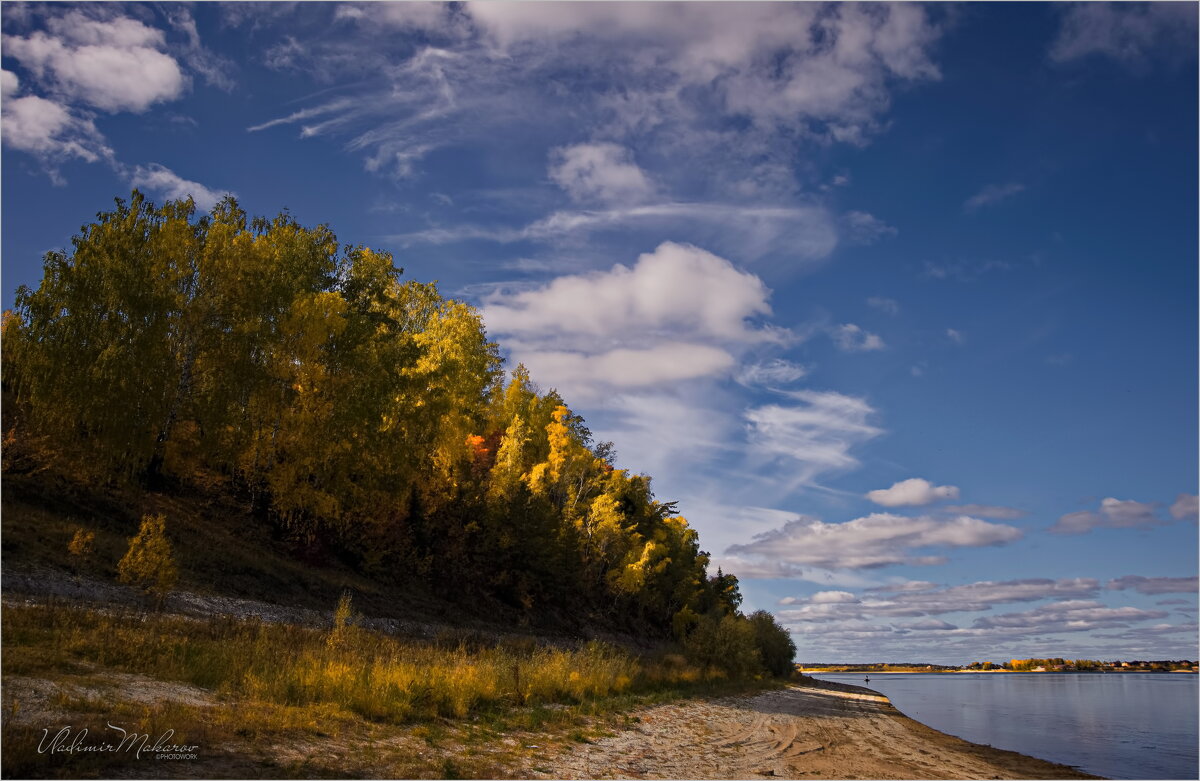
[[898, 302]]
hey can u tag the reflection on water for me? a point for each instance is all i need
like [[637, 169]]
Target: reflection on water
[[1117, 725]]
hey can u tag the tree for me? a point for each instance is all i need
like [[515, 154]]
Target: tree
[[775, 645], [149, 563]]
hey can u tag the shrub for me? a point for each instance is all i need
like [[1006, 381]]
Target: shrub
[[83, 544]]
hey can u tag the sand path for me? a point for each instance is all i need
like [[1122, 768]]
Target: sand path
[[820, 731]]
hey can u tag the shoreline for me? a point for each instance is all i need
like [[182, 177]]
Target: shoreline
[[814, 729]]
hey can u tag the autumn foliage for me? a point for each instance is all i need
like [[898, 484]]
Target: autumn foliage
[[363, 416]]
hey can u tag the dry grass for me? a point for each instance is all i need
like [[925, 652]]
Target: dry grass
[[456, 705]]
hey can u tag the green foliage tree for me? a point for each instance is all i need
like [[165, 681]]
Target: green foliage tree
[[775, 645]]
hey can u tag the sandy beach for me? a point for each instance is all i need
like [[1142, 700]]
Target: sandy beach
[[814, 730]]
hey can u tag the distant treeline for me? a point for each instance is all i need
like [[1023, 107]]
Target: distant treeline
[[364, 416]]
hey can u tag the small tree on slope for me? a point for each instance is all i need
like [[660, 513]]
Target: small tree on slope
[[149, 564]]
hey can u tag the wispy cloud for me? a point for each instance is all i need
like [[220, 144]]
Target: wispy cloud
[[812, 435], [808, 232], [888, 306], [851, 338], [992, 194], [1129, 32]]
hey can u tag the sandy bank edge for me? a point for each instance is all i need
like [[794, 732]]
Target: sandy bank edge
[[1027, 766]]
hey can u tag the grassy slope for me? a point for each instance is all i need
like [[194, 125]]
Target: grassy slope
[[220, 547], [279, 700]]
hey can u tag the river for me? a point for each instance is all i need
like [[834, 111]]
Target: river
[[1116, 725]]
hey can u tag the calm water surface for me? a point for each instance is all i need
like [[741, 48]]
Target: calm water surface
[[1116, 725]]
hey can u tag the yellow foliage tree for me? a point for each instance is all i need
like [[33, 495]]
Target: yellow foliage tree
[[150, 564]]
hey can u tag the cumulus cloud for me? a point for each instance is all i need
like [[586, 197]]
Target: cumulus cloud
[[165, 183], [1144, 585], [1185, 507], [956, 336], [675, 289], [851, 338], [10, 84], [1113, 514], [993, 193], [1126, 32], [51, 133], [92, 58], [603, 172], [877, 540], [915, 491], [679, 313], [812, 435], [115, 64]]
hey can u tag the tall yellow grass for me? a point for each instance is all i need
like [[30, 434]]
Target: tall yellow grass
[[377, 676]]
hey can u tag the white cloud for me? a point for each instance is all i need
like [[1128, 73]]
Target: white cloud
[[599, 172], [832, 597], [955, 336], [770, 373], [886, 305], [1073, 615], [1158, 585], [112, 64], [624, 368], [710, 92], [812, 437], [165, 183], [851, 338], [993, 193], [1113, 514], [51, 133], [927, 599], [912, 492], [677, 315], [676, 289], [987, 511], [1185, 508], [877, 540], [1125, 31], [10, 85]]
